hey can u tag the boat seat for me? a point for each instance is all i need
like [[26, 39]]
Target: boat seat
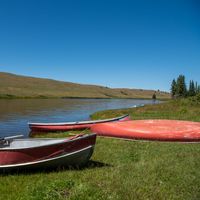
[[4, 142]]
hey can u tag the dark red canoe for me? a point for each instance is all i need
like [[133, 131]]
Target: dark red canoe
[[163, 130], [45, 153], [65, 126]]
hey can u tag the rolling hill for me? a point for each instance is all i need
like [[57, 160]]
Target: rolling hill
[[16, 86]]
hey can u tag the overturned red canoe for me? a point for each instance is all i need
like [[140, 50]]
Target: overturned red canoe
[[163, 130], [65, 126]]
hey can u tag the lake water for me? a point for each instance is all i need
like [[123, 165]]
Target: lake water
[[15, 114]]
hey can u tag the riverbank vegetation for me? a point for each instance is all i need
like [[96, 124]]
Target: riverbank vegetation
[[122, 169]]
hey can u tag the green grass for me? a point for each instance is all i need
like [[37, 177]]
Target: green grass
[[58, 134], [186, 109], [121, 169]]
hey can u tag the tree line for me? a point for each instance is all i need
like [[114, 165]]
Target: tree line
[[180, 89]]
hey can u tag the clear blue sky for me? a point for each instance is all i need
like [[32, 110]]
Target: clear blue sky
[[115, 43]]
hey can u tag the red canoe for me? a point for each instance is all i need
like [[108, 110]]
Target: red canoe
[[65, 126], [45, 153], [163, 130]]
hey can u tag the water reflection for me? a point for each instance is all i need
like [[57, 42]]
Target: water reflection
[[14, 114]]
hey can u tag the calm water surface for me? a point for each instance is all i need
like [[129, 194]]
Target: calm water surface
[[14, 114]]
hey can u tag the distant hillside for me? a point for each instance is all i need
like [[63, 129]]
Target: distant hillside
[[15, 86]]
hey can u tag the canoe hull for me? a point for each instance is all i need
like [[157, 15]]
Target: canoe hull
[[59, 128], [53, 127], [160, 130]]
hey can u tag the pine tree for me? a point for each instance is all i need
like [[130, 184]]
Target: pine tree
[[192, 90], [198, 89], [189, 90], [181, 86], [173, 88]]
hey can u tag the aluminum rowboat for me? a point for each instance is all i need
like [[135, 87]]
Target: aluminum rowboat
[[46, 153]]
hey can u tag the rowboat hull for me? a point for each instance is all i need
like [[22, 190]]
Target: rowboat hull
[[160, 130], [75, 159], [66, 126], [35, 153]]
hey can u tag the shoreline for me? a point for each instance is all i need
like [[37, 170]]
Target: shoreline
[[10, 97]]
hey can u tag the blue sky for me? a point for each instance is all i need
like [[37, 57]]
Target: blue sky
[[115, 43]]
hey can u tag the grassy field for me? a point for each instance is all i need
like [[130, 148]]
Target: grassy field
[[15, 86], [122, 169]]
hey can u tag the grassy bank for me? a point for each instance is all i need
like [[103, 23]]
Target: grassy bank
[[122, 169], [184, 109]]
